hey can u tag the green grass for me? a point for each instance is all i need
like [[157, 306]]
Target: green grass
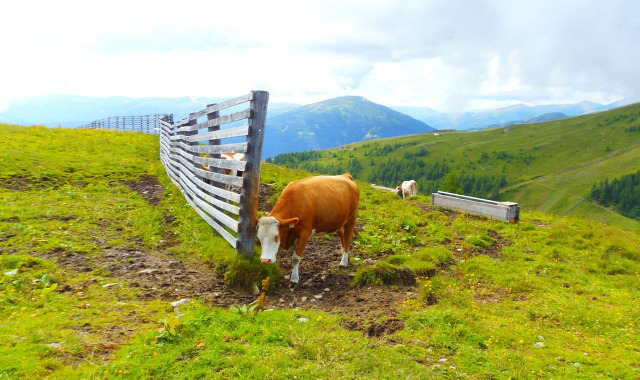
[[549, 166], [559, 299]]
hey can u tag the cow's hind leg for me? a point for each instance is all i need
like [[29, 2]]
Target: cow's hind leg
[[345, 253]]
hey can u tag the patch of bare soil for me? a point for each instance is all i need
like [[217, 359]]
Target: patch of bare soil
[[324, 285], [149, 187], [23, 183]]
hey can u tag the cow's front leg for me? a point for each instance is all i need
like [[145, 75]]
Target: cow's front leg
[[345, 259], [295, 277], [297, 255]]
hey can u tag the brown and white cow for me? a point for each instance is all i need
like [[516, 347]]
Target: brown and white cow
[[321, 204], [408, 189]]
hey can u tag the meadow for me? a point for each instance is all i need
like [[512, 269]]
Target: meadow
[[96, 243], [549, 167]]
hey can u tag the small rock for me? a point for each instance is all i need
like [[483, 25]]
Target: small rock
[[369, 261], [180, 302], [442, 360], [255, 290], [54, 345], [327, 289], [111, 285], [576, 364], [318, 296], [303, 299], [303, 320], [216, 294], [147, 271], [281, 300]]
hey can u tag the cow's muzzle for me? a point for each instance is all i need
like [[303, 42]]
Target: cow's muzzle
[[266, 261]]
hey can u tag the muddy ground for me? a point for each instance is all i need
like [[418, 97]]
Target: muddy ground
[[323, 284]]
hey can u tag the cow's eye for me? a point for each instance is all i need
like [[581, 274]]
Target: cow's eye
[[276, 238]]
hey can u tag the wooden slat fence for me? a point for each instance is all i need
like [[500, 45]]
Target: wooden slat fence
[[139, 123], [228, 203]]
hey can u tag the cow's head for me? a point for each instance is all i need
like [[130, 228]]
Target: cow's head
[[271, 233]]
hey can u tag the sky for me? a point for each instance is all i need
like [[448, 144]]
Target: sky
[[449, 55]]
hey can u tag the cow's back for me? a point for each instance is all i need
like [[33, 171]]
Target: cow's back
[[323, 203]]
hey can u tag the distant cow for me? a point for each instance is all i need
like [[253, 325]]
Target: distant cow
[[408, 189], [319, 204]]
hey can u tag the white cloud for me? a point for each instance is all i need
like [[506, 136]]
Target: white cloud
[[446, 55]]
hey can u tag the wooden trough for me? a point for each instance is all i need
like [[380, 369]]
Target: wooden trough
[[505, 211]]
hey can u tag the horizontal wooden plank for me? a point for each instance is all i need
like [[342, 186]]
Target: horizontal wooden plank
[[217, 107], [222, 178], [230, 195], [187, 181], [218, 228], [213, 149], [221, 134], [221, 163], [217, 214], [217, 121], [180, 180]]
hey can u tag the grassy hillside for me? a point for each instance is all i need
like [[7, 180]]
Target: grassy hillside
[[548, 167], [95, 244]]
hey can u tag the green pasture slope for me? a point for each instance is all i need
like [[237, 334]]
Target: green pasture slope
[[549, 167], [547, 298]]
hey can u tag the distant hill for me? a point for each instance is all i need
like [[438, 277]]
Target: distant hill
[[550, 166], [74, 110], [416, 112], [536, 119], [508, 115], [335, 122]]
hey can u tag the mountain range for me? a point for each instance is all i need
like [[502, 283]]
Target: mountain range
[[514, 114], [335, 122], [293, 127]]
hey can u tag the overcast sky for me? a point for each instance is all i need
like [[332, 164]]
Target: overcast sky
[[448, 55]]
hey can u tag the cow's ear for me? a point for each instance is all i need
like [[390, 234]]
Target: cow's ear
[[291, 222]]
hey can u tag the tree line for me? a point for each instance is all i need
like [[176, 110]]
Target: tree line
[[622, 194]]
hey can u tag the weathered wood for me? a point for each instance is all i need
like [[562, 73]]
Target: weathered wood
[[138, 123], [218, 107], [221, 134], [251, 176], [213, 149], [217, 121], [183, 170], [220, 163], [505, 211], [207, 190]]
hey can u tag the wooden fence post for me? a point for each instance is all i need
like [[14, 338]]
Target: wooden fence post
[[251, 175]]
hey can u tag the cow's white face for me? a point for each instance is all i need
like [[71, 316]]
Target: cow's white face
[[269, 236]]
